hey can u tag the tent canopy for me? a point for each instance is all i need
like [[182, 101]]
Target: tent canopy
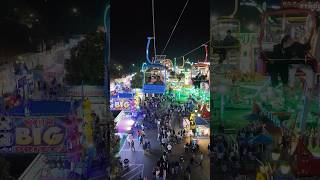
[[261, 139], [201, 121]]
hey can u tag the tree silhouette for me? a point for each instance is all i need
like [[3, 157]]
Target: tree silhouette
[[137, 80], [4, 170], [87, 61]]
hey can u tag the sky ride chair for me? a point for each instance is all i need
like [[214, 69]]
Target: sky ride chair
[[226, 53], [298, 23]]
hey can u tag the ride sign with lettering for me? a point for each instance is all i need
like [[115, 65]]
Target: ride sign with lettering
[[121, 103]]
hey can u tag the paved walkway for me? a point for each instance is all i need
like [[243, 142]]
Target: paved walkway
[[142, 163]]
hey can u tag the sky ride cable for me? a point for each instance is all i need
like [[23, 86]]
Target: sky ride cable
[[195, 49], [154, 31], [174, 27], [206, 49]]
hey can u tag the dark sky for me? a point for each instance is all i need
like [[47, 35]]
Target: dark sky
[[246, 14], [131, 24], [49, 19]]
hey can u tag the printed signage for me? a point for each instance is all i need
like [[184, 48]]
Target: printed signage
[[33, 136]]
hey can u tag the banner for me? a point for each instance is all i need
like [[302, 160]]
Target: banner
[[302, 4], [28, 135]]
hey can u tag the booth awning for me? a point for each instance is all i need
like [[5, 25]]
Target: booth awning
[[201, 121], [261, 139], [124, 95], [154, 89]]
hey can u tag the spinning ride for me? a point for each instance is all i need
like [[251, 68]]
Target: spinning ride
[[200, 75], [226, 47]]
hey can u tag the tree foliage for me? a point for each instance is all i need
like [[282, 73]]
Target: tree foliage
[[4, 170], [137, 80], [87, 61]]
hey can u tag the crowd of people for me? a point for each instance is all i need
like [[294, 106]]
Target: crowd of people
[[237, 155], [161, 111], [164, 115]]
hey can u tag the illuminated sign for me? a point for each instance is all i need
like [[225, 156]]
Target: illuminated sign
[[120, 104]]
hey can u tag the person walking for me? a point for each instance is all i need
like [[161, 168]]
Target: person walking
[[132, 146], [201, 159], [188, 170], [129, 142], [169, 147], [191, 160], [185, 148]]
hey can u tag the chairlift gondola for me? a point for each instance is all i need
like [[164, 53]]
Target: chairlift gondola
[[154, 81]]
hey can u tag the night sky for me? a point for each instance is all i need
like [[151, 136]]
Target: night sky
[[49, 19], [131, 24]]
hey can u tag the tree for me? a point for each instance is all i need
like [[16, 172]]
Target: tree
[[113, 146], [87, 61], [4, 170], [137, 80], [116, 70]]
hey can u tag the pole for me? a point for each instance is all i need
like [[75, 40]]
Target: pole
[[107, 83]]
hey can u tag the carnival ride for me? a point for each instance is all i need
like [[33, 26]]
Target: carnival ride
[[300, 108], [167, 63], [200, 73], [154, 81], [200, 76]]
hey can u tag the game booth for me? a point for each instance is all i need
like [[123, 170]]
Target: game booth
[[124, 104], [196, 126]]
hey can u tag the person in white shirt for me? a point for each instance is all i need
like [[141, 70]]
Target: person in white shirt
[[169, 147], [163, 141], [201, 159]]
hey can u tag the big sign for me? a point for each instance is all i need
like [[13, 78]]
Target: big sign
[[121, 103], [34, 136]]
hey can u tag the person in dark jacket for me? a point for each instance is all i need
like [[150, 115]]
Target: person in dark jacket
[[287, 49], [228, 42]]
